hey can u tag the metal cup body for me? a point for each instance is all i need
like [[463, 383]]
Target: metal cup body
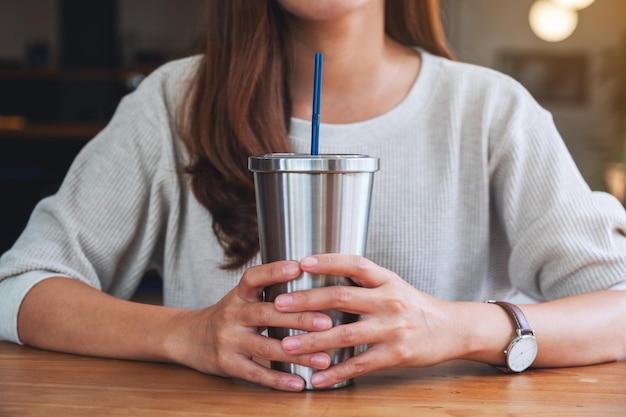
[[308, 207]]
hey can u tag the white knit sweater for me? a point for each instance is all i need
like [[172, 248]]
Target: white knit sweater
[[477, 198]]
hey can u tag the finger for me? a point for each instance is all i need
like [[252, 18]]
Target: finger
[[345, 335], [369, 361], [257, 277], [266, 348], [255, 373], [346, 298], [361, 270], [266, 315], [263, 362]]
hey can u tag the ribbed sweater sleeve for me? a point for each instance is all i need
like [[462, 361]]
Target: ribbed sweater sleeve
[[102, 225], [565, 239]]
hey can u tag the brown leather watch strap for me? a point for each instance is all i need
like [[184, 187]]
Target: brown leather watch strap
[[517, 315]]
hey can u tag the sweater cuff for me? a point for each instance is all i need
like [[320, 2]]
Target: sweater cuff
[[14, 290], [619, 287]]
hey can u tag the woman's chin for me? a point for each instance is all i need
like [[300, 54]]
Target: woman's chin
[[321, 10]]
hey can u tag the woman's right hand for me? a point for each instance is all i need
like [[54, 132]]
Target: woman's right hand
[[224, 339]]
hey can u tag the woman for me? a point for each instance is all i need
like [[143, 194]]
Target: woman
[[477, 198]]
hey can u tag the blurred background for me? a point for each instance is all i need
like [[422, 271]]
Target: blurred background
[[65, 64]]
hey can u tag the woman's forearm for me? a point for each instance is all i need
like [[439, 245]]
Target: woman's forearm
[[67, 315], [579, 330]]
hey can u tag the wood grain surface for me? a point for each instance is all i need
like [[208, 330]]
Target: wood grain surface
[[39, 383]]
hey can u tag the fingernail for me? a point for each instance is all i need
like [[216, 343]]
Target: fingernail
[[319, 360], [291, 344], [284, 300], [322, 323], [309, 261], [318, 379], [290, 269], [296, 384]]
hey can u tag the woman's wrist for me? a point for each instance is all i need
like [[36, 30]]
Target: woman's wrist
[[177, 337], [485, 330]]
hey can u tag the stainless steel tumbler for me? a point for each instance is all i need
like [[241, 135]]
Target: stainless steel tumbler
[[307, 205]]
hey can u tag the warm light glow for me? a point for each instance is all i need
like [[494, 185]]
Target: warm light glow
[[551, 22], [574, 4], [615, 176]]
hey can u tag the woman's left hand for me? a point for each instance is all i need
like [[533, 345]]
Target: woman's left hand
[[401, 325]]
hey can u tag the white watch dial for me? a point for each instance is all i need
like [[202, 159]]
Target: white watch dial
[[522, 353]]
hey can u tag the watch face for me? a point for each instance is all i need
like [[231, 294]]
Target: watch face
[[522, 353]]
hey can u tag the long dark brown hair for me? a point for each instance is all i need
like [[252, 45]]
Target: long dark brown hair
[[238, 104]]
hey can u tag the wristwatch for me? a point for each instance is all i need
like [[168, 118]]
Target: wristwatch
[[522, 350]]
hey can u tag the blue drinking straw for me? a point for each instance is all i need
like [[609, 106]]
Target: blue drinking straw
[[317, 91]]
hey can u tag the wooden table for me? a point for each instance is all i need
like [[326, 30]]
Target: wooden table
[[38, 383]]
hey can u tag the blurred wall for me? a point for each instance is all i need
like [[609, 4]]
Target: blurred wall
[[480, 29], [143, 24], [15, 34], [158, 24]]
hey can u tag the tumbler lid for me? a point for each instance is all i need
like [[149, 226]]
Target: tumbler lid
[[323, 163]]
